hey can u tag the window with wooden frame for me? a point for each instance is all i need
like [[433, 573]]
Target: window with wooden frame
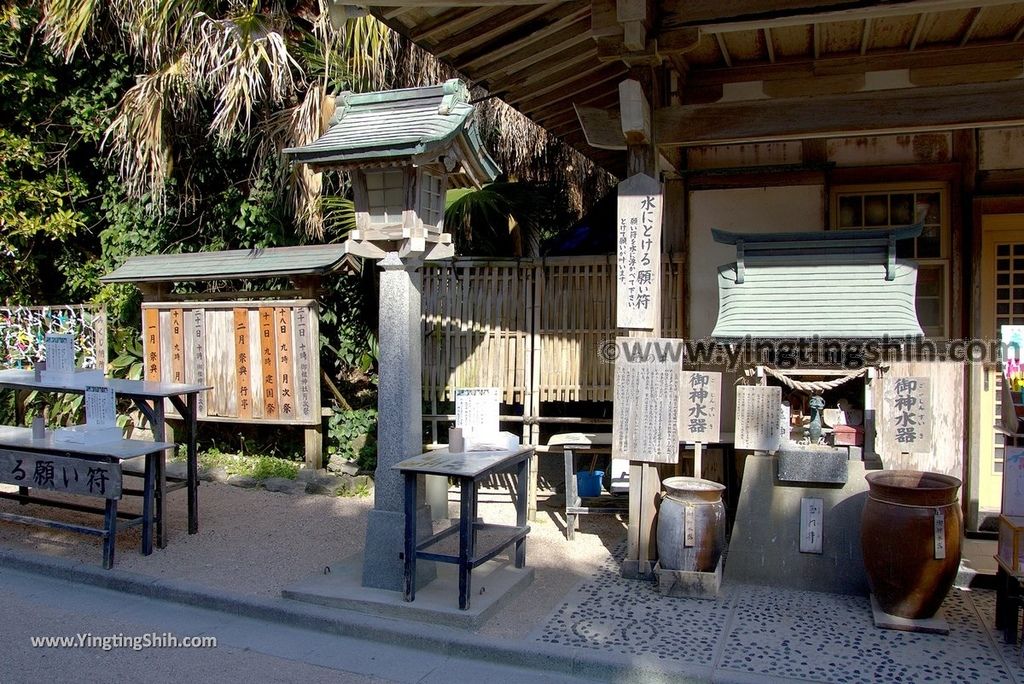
[[857, 207]]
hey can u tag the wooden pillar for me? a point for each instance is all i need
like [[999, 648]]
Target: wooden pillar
[[635, 98]]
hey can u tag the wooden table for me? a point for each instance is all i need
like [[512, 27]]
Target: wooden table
[[468, 468], [148, 398], [91, 470]]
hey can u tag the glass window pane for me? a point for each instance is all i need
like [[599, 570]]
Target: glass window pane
[[1004, 278], [929, 244], [1003, 250], [1018, 278], [876, 210], [902, 209], [928, 205], [1004, 308], [1018, 249], [849, 212], [905, 249], [929, 281], [929, 313], [1003, 293], [1002, 264]]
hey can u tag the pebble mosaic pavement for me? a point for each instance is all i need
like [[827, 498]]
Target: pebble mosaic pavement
[[768, 634]]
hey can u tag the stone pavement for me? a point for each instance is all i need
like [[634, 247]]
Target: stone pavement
[[578, 618]]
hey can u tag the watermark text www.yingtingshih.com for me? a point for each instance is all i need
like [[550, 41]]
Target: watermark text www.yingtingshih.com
[[133, 642], [806, 351]]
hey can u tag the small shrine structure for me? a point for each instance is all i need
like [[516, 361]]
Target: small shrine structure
[[402, 150]]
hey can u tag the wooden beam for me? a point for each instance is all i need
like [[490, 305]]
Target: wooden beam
[[723, 49], [885, 111], [918, 29], [714, 16], [877, 61], [635, 113], [816, 39], [494, 24], [553, 90], [560, 28], [973, 25], [531, 54], [1019, 32], [865, 36], [768, 45], [445, 22], [411, 4], [570, 63], [602, 128], [566, 100]]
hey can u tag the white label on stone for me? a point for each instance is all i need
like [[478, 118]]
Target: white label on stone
[[689, 526], [700, 402], [645, 416], [60, 354], [100, 409], [638, 254], [476, 410], [907, 406], [940, 535], [812, 520], [757, 417]]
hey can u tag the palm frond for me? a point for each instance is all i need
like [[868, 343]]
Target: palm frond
[[65, 24]]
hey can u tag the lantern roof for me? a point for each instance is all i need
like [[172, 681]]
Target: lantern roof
[[422, 125]]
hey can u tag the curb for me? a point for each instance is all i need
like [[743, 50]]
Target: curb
[[571, 661]]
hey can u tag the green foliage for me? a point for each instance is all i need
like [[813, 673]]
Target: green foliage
[[352, 434], [259, 467]]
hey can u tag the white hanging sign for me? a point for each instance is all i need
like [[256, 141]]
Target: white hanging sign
[[100, 409], [60, 355], [758, 417], [476, 410], [700, 406], [638, 253]]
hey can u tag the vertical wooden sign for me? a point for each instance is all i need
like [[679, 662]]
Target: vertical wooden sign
[[243, 364], [638, 254], [198, 364], [268, 364], [907, 403], [645, 417], [177, 346], [303, 365], [151, 343], [285, 362], [700, 402]]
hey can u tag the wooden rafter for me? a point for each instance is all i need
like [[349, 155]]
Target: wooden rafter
[[918, 30], [494, 24], [877, 60], [768, 45], [446, 22], [816, 39], [528, 52], [865, 36], [589, 71], [1019, 32], [553, 27], [908, 110], [571, 89], [749, 15], [973, 25], [724, 50]]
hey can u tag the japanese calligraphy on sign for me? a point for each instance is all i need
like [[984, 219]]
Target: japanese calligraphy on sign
[[907, 404], [812, 518], [60, 474], [638, 253], [700, 402], [100, 408], [60, 354], [646, 407], [757, 417], [476, 410], [261, 358]]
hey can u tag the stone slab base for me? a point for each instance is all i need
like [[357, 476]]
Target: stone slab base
[[688, 584], [495, 583], [934, 625]]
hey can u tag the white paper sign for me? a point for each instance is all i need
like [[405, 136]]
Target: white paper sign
[[100, 409], [907, 404], [689, 526], [940, 535], [646, 400], [757, 417], [60, 354], [476, 410], [700, 407], [811, 523], [638, 255], [1013, 481]]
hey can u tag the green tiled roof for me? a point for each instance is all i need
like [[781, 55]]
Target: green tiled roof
[[397, 125], [833, 285], [237, 263]]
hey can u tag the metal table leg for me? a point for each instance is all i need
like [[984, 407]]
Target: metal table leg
[[467, 517], [409, 592], [572, 498], [522, 508], [149, 484]]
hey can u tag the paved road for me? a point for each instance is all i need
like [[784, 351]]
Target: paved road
[[247, 650]]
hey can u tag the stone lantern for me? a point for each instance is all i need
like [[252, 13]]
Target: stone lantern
[[402, 150]]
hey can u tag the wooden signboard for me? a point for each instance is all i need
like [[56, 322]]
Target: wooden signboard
[[151, 343], [645, 422], [757, 417], [261, 358], [907, 408], [177, 346], [60, 474], [243, 363], [700, 407], [268, 363], [638, 255]]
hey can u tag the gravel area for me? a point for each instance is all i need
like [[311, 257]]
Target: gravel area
[[256, 542]]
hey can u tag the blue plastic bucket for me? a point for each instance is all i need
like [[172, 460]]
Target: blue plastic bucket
[[588, 483]]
